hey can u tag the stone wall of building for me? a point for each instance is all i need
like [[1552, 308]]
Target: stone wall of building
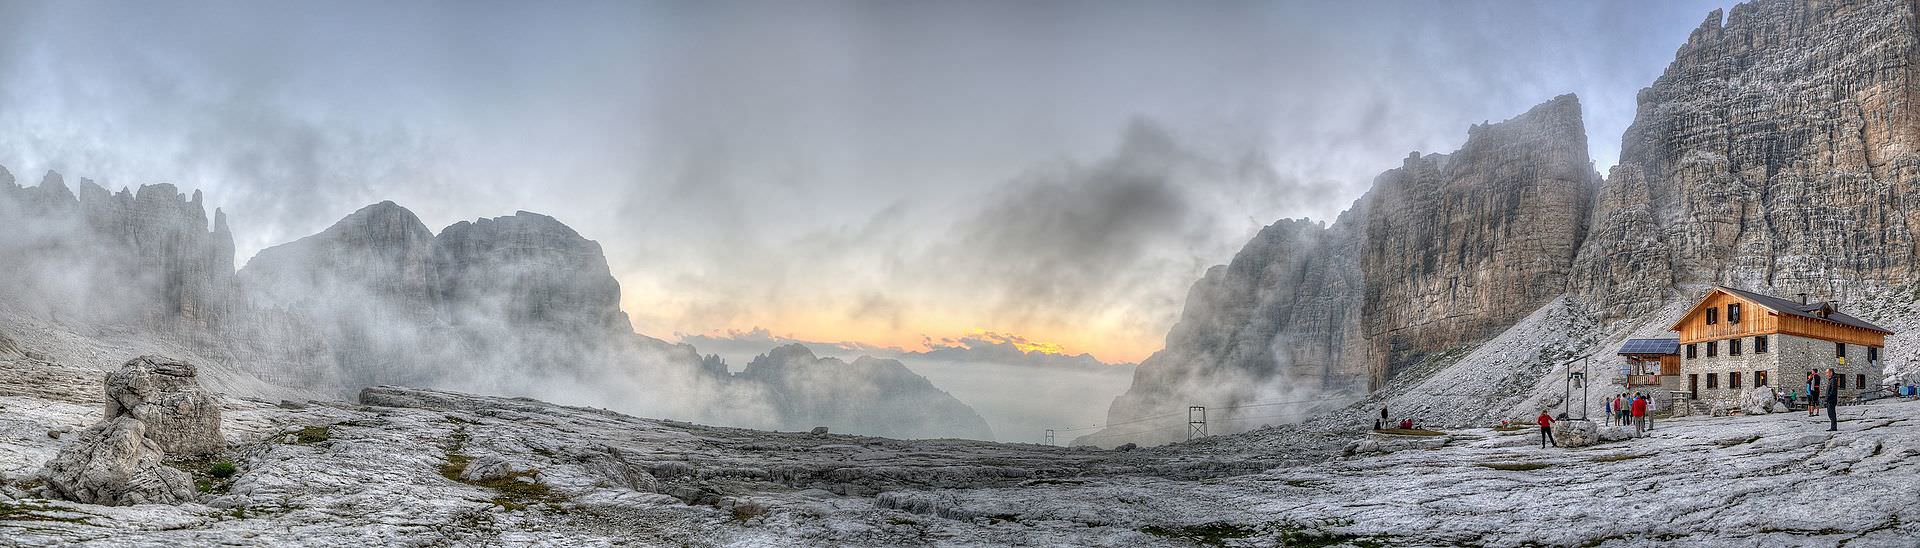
[[1798, 354], [1724, 363]]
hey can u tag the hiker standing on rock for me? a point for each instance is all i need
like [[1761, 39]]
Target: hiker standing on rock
[[1639, 415], [1651, 407], [1620, 409], [1546, 429], [1833, 401], [1813, 391]]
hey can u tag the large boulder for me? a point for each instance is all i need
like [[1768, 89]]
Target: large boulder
[[116, 462], [165, 394], [1758, 401], [1571, 433]]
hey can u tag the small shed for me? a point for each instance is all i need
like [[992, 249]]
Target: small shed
[[1650, 359]]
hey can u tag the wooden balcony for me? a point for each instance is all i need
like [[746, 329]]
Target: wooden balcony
[[1643, 380]]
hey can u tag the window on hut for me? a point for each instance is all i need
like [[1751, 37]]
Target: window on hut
[[1759, 344], [1713, 348], [1839, 350], [1713, 380], [1733, 379], [1693, 351], [1759, 379], [1733, 313], [1733, 347], [1713, 316]]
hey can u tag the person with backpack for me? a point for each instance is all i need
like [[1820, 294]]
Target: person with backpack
[[1546, 429]]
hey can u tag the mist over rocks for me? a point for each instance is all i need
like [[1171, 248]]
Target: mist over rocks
[[145, 259], [870, 396], [525, 305]]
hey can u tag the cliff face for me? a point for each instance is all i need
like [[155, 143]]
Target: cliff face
[[144, 260], [364, 289], [1282, 318], [1778, 151], [1460, 246], [526, 271], [1446, 250]]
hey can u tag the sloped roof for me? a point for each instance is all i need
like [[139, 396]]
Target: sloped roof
[[1806, 310], [1650, 346]]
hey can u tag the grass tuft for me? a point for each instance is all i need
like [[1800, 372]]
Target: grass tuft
[[514, 492], [313, 434]]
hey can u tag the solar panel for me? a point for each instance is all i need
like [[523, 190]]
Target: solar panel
[[1651, 346]]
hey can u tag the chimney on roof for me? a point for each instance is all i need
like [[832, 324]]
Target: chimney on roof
[[1803, 298]]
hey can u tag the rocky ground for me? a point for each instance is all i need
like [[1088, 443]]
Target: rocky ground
[[410, 467]]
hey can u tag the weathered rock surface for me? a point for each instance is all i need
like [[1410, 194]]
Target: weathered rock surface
[[1778, 152], [1461, 246], [1571, 433], [1758, 401], [154, 407], [376, 479], [116, 463], [166, 395]]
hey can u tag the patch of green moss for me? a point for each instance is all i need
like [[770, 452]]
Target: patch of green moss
[[744, 511], [514, 492], [211, 475], [27, 511], [313, 434], [1209, 534]]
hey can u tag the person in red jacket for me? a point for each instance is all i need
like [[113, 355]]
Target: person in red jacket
[[1546, 430], [1639, 415]]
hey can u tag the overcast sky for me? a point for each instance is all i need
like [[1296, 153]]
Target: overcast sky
[[879, 172]]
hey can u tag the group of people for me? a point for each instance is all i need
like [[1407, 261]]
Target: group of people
[[1832, 399], [1636, 408]]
